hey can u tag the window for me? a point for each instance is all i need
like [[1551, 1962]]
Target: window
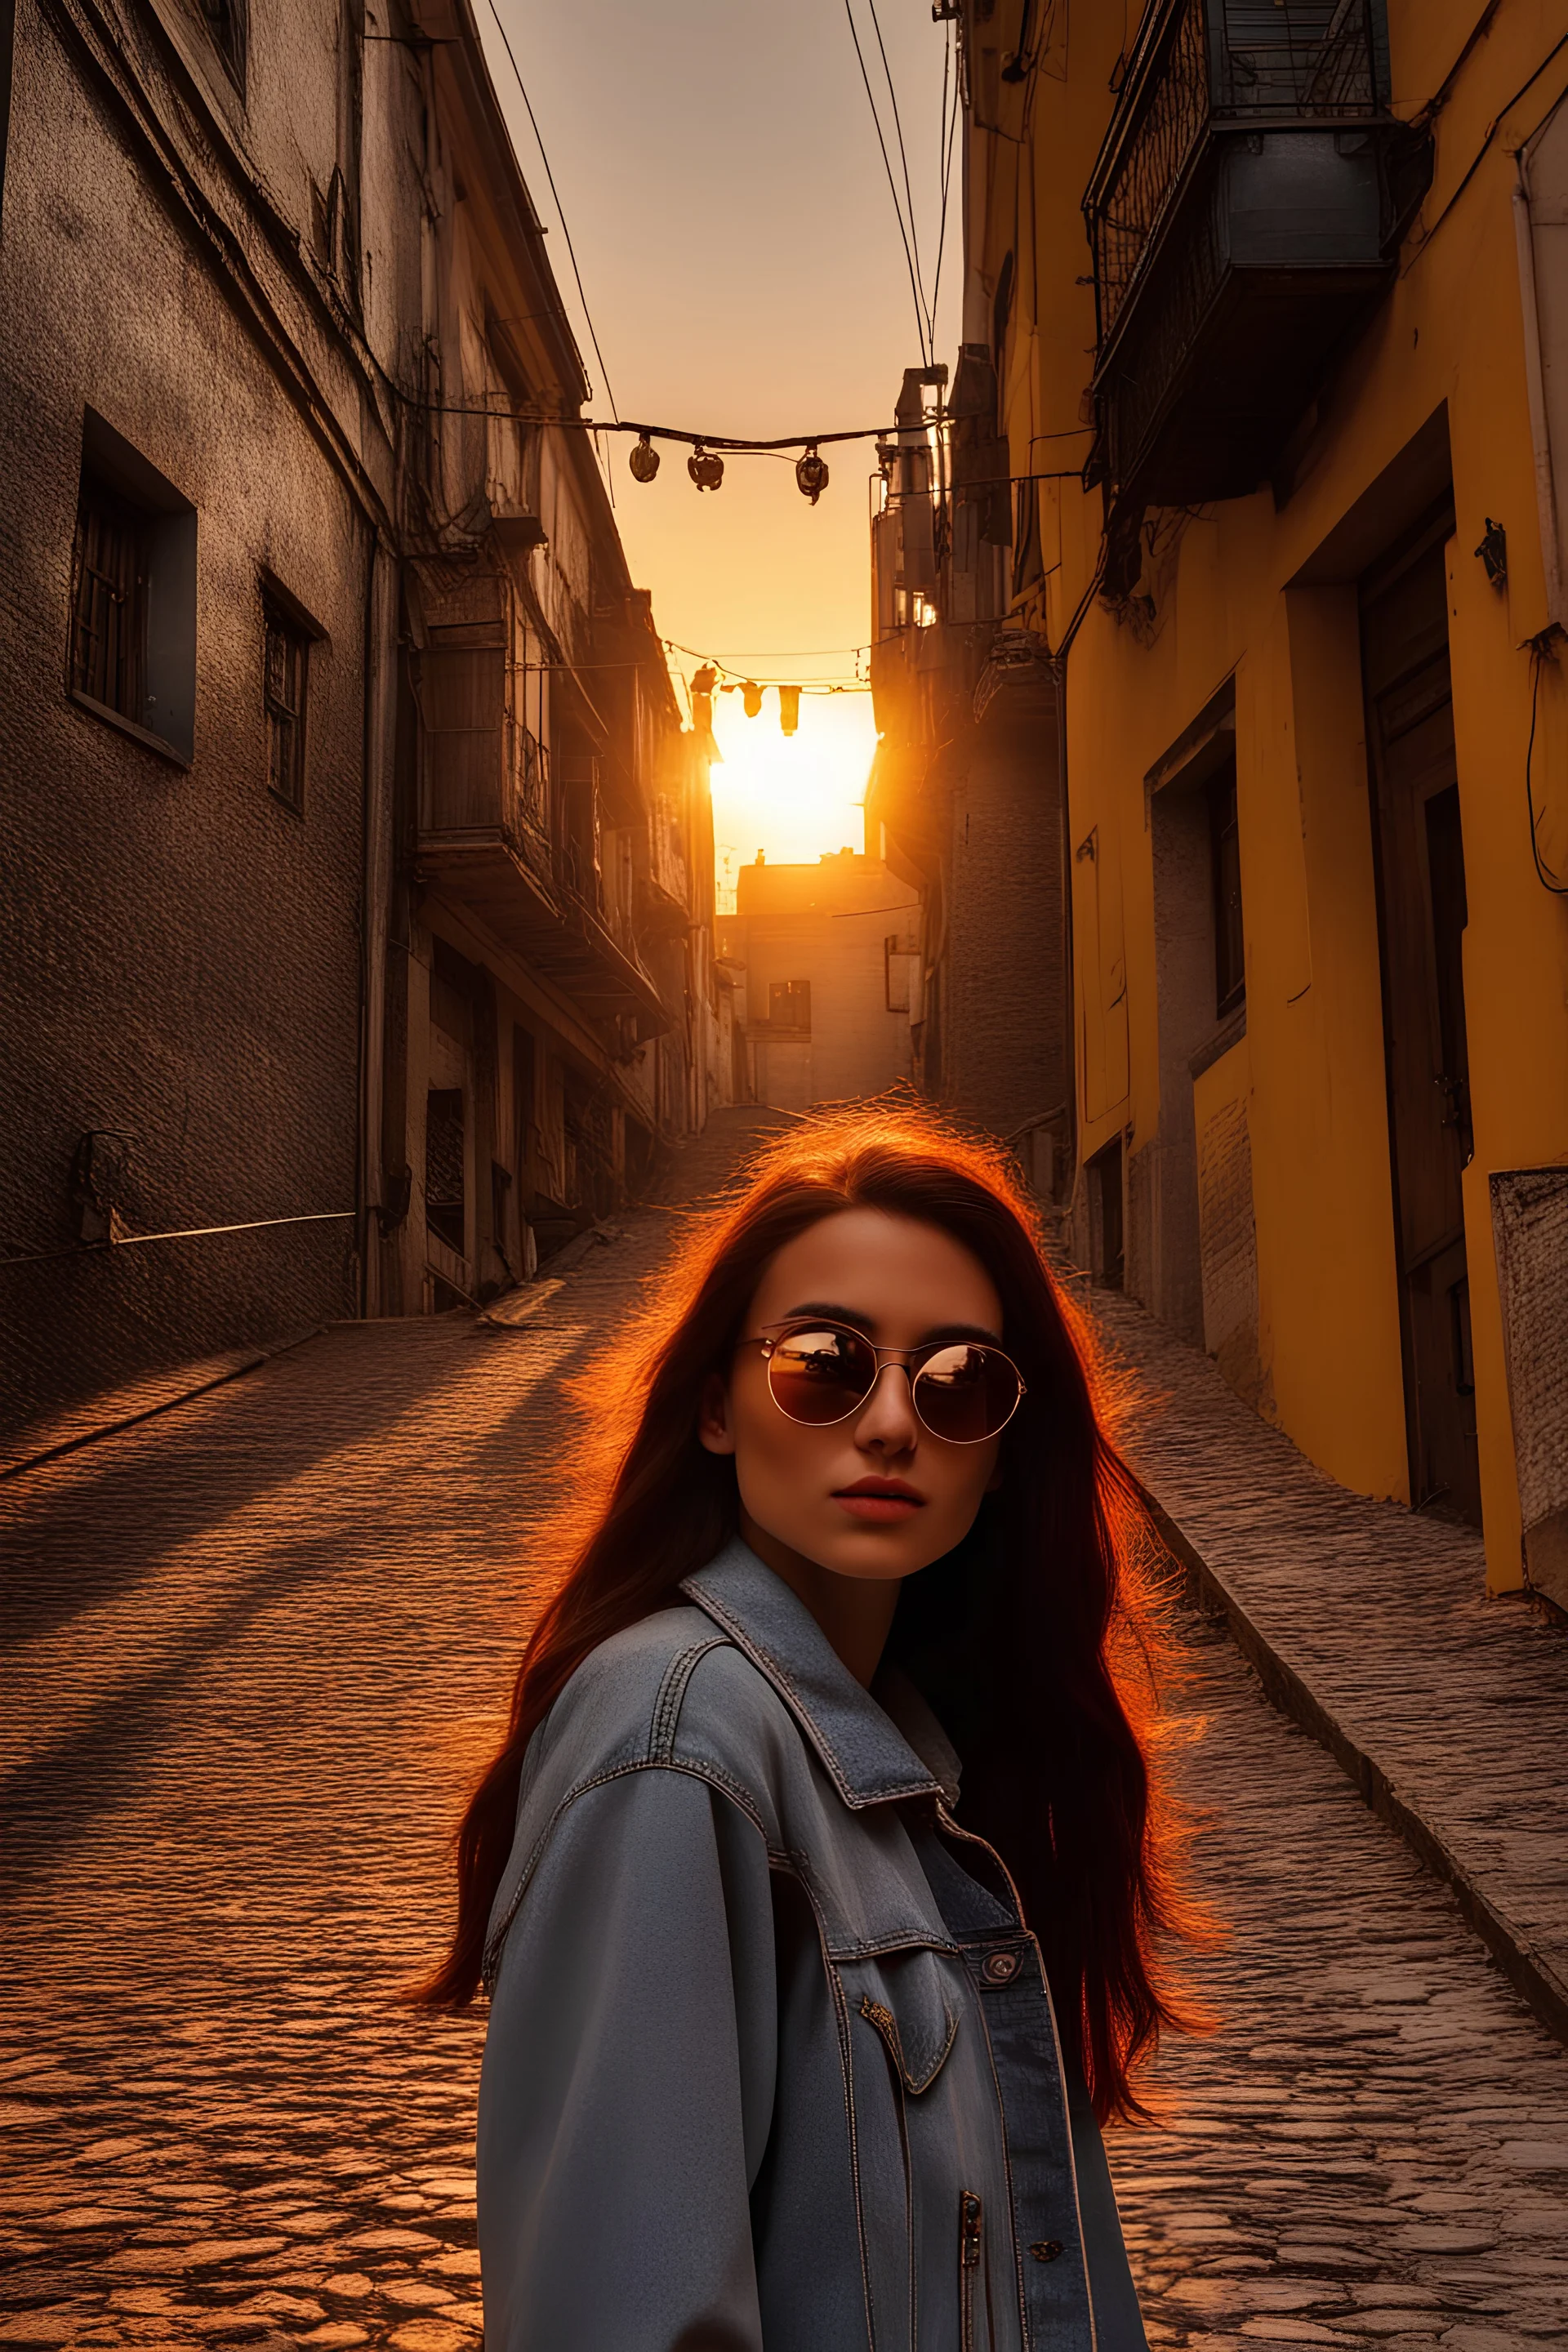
[[132, 657], [1229, 936], [109, 601], [789, 1004], [446, 1205], [901, 964], [1107, 1252], [285, 667]]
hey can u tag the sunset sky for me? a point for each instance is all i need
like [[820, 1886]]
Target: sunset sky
[[721, 180]]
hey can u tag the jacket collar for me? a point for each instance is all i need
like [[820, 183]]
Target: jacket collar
[[870, 1759]]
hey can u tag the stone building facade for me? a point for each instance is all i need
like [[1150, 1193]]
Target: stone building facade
[[298, 543]]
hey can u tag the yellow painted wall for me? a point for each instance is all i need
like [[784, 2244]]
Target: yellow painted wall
[[1225, 599]]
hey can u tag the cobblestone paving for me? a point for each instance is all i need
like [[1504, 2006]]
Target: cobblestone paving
[[1461, 1702], [256, 1646], [1372, 2149]]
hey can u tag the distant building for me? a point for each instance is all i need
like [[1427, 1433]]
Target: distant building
[[827, 967]]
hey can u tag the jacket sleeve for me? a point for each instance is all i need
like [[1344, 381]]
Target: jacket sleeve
[[627, 2086]]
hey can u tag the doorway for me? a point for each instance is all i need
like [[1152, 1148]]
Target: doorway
[[1418, 852]]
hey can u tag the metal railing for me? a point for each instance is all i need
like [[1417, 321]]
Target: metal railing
[[1205, 62]]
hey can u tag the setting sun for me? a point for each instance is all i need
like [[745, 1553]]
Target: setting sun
[[791, 796]]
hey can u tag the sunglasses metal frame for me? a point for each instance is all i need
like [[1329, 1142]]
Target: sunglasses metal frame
[[769, 1337]]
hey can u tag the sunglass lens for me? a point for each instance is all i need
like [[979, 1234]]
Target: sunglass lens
[[818, 1377], [966, 1394]]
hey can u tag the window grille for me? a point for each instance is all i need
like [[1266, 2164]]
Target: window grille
[[446, 1163], [109, 601], [286, 663]]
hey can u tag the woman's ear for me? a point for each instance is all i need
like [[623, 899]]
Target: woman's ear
[[714, 1429]]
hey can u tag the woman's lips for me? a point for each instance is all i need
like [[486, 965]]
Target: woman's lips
[[879, 1499]]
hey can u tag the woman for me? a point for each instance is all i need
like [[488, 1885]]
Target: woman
[[792, 2045]]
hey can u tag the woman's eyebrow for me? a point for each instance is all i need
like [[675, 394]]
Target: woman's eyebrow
[[941, 1334], [831, 1314]]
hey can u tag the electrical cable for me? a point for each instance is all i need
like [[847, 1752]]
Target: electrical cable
[[904, 165], [780, 653], [1440, 96], [1558, 890], [737, 445], [892, 184], [948, 130], [560, 212], [1482, 152]]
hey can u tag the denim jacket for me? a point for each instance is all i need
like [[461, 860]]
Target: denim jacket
[[772, 2060]]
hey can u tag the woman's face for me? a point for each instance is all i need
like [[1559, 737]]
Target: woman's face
[[875, 1496]]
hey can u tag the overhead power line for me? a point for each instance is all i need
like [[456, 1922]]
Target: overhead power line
[[560, 210], [904, 163], [949, 128], [892, 186]]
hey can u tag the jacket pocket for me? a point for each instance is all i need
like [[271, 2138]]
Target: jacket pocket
[[906, 2000]]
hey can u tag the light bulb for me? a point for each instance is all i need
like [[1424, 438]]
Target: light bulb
[[811, 475]]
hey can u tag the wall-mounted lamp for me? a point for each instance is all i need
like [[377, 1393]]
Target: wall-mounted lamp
[[1493, 553]]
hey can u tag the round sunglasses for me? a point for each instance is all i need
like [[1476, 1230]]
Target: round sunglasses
[[820, 1372]]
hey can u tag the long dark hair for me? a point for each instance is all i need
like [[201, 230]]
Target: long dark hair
[[1036, 1640]]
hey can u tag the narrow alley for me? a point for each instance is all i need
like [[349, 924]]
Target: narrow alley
[[259, 1641]]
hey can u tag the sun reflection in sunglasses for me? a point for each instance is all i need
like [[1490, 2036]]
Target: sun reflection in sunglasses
[[820, 1373]]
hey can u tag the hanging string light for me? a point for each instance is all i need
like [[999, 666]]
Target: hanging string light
[[644, 461], [706, 467], [811, 474]]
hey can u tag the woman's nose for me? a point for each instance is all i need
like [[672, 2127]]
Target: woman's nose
[[888, 1418]]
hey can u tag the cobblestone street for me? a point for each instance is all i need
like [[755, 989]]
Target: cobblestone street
[[256, 1646]]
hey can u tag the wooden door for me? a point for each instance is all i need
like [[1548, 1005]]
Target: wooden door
[[1420, 861]]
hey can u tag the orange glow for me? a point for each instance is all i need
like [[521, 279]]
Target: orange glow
[[791, 796], [731, 215]]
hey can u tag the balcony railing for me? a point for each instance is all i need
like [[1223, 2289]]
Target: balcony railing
[[1202, 61], [1240, 215], [490, 832]]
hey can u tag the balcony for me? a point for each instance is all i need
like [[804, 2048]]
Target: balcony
[[489, 834], [1243, 216]]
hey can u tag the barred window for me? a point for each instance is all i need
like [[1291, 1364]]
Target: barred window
[[109, 601], [286, 666], [131, 656]]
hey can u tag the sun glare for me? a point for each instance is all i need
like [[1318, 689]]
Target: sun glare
[[791, 796]]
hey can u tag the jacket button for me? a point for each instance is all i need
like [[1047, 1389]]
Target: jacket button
[[1001, 1967], [1046, 2250]]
